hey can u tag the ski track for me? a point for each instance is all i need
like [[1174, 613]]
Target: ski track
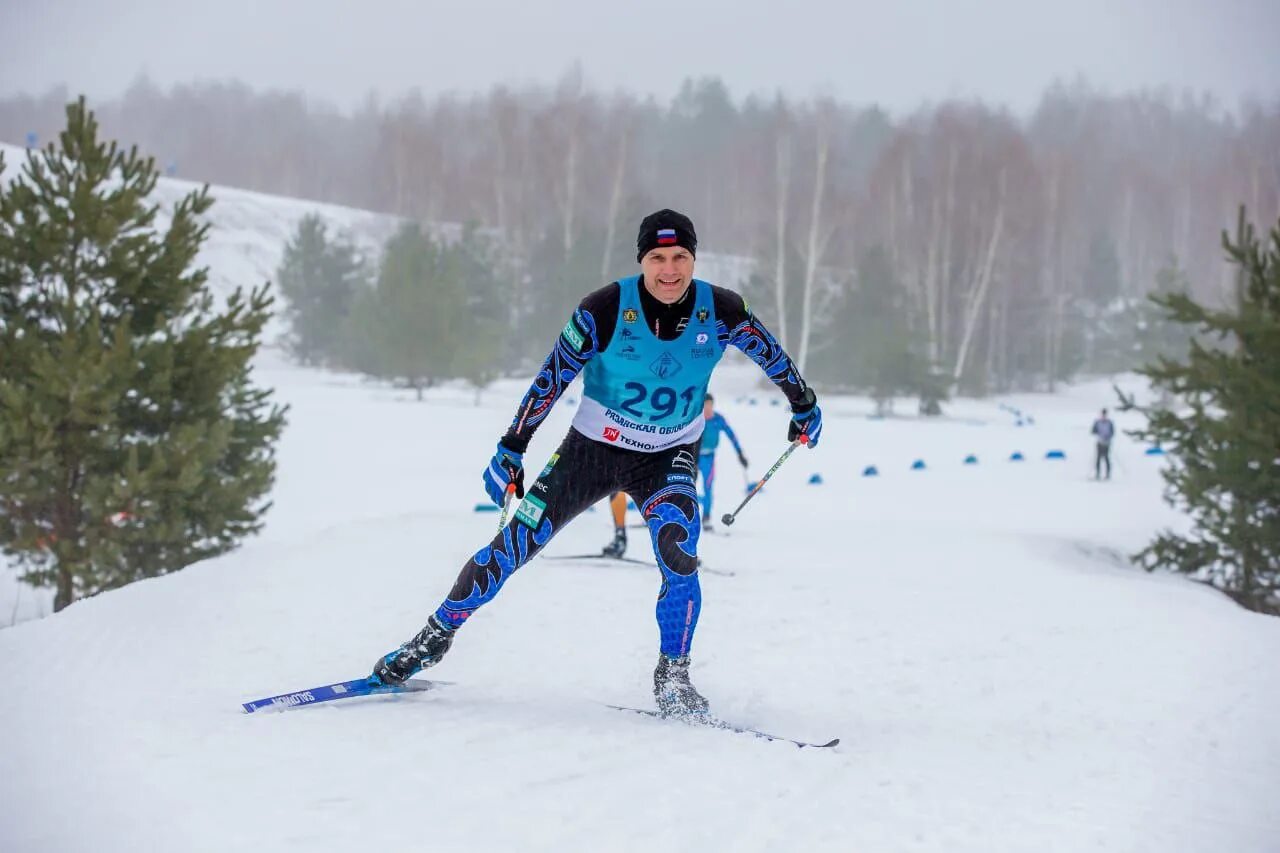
[[1000, 678]]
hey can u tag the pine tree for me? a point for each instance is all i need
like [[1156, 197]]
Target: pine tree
[[877, 349], [319, 277], [479, 273], [930, 384], [1224, 439], [427, 319], [131, 440], [1138, 331], [1104, 325], [1100, 277], [886, 353], [1154, 334], [558, 279]]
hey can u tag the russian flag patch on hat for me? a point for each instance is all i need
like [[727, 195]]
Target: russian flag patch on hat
[[666, 236]]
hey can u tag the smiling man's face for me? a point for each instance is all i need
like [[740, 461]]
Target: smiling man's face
[[667, 272]]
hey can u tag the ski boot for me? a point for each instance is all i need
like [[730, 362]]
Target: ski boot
[[425, 649], [673, 691], [618, 546]]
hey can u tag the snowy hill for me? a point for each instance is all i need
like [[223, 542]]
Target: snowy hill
[[1001, 679], [249, 230]]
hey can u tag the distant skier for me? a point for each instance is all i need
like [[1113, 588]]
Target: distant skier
[[618, 507], [1103, 430], [716, 424], [646, 346]]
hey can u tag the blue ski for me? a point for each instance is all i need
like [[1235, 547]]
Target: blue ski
[[717, 723], [341, 690]]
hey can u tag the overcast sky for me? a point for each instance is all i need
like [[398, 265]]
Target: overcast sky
[[898, 54]]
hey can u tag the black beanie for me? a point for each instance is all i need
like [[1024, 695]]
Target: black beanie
[[666, 228]]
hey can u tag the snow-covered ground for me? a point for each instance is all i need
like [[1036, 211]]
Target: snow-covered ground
[[1000, 677]]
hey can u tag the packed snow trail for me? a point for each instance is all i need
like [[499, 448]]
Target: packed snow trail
[[1000, 678]]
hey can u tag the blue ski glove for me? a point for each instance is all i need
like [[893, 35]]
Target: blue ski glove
[[506, 467], [806, 419]]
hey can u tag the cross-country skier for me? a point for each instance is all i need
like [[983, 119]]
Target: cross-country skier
[[715, 424], [646, 345], [1103, 430]]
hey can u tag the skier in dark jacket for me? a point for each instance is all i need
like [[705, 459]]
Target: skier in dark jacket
[[1103, 431], [646, 346]]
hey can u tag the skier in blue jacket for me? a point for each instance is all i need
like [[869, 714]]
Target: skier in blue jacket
[[715, 425], [646, 346]]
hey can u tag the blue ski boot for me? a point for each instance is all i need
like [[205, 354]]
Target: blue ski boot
[[425, 649]]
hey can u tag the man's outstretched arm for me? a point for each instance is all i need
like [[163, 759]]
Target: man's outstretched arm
[[575, 346], [740, 328]]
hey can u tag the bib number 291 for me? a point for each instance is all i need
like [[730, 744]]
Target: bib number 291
[[656, 404]]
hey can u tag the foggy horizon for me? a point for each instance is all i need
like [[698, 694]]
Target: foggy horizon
[[899, 59]]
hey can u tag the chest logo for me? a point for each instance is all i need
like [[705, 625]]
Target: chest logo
[[665, 366], [703, 314], [629, 315]]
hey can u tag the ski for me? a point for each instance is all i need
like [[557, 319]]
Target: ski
[[340, 690], [717, 723], [702, 567], [633, 560], [369, 687]]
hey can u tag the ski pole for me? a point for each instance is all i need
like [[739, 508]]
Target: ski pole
[[506, 505], [729, 517]]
